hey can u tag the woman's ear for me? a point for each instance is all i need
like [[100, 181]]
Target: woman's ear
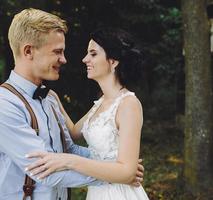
[[28, 51], [114, 63]]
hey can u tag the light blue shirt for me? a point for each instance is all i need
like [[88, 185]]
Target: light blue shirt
[[17, 138]]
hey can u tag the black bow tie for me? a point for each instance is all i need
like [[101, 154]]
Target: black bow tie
[[41, 92]]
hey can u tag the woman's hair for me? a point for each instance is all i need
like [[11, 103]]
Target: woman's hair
[[119, 45], [32, 25]]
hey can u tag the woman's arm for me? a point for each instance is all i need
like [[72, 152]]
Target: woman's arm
[[78, 126], [69, 122], [74, 129], [129, 120]]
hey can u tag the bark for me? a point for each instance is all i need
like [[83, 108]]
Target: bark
[[198, 152]]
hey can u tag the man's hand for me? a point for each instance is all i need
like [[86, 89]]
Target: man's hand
[[139, 174]]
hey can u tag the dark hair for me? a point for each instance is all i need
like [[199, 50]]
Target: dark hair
[[119, 45]]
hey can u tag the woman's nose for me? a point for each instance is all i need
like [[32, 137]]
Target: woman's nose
[[85, 59]]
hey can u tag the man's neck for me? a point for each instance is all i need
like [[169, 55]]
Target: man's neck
[[26, 74]]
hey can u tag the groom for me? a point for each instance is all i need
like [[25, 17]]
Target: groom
[[37, 41]]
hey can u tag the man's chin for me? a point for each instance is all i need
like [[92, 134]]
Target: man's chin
[[53, 78]]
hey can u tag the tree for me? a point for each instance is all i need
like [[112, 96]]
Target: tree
[[198, 152]]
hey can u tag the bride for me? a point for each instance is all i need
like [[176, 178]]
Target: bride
[[112, 127]]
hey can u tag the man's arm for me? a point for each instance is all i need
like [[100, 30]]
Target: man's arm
[[18, 139]]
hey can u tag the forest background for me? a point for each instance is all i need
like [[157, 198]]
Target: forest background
[[172, 36]]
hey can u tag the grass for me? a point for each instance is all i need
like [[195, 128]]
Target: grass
[[162, 146]]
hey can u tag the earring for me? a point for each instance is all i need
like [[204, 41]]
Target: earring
[[113, 70]]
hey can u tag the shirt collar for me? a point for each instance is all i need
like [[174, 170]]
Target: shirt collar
[[22, 83]]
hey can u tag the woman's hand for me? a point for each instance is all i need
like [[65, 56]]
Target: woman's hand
[[47, 163], [69, 122], [139, 174], [51, 92]]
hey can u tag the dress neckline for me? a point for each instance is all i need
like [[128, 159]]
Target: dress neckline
[[98, 103]]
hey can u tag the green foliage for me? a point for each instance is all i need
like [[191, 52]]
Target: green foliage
[[163, 161], [79, 194], [157, 26], [2, 65]]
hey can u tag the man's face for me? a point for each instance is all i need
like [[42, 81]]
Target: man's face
[[48, 58]]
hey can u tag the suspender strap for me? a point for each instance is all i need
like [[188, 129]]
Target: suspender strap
[[29, 183], [62, 135], [34, 123], [65, 150]]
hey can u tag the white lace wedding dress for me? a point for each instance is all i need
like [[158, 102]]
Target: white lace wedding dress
[[102, 136]]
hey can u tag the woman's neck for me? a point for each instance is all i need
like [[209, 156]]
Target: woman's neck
[[111, 90]]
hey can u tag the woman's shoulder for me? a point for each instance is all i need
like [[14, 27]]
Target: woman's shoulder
[[129, 109], [130, 101]]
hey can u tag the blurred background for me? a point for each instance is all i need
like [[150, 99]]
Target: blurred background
[[175, 87]]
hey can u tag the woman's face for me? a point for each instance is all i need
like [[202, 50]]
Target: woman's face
[[98, 66]]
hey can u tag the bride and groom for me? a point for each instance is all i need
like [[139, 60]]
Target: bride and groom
[[112, 127]]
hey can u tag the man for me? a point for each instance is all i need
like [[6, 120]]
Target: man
[[37, 41]]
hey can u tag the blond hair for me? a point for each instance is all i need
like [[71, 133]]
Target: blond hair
[[30, 26]]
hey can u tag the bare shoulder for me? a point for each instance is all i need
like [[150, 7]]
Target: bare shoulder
[[130, 101], [130, 104], [129, 112]]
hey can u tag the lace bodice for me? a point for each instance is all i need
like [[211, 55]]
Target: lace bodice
[[101, 134]]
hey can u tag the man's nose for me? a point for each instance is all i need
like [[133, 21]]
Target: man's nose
[[63, 60]]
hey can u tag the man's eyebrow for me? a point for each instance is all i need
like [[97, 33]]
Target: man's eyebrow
[[58, 49]]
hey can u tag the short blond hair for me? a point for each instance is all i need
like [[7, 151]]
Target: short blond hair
[[31, 25]]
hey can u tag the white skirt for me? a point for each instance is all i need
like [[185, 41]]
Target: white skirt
[[116, 192]]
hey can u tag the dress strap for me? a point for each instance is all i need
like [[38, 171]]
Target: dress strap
[[96, 105], [118, 101]]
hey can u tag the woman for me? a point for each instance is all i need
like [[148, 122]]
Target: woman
[[112, 127]]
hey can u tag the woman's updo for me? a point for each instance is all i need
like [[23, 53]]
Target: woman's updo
[[119, 45]]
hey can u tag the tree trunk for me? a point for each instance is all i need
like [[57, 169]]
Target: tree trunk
[[198, 152]]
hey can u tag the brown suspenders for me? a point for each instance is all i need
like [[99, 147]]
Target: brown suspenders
[[34, 123], [29, 183], [63, 141]]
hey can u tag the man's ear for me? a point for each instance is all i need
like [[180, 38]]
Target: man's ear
[[28, 51]]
